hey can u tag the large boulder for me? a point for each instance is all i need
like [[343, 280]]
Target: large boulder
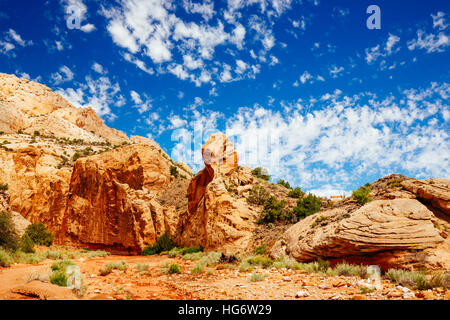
[[379, 226], [215, 219]]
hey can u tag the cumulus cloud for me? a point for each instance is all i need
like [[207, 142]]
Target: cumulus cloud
[[64, 75], [432, 42], [98, 93], [159, 33], [344, 139]]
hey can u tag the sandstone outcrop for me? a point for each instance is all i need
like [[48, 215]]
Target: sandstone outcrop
[[36, 186], [434, 191], [380, 225], [30, 106], [113, 200], [215, 219]]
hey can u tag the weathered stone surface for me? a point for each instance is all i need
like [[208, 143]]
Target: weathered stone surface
[[378, 226], [112, 200], [434, 191], [215, 219], [36, 186]]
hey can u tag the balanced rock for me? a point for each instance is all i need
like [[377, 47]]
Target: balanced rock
[[215, 219]]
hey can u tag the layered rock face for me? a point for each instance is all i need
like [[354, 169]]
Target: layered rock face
[[215, 219], [378, 226], [112, 201], [434, 191], [37, 187], [20, 223]]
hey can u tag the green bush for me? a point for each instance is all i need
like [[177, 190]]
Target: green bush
[[307, 206], [110, 266], [361, 195], [39, 235], [5, 258], [258, 195], [76, 156], [273, 210], [261, 173], [8, 236], [262, 261], [26, 244], [256, 277], [59, 278], [174, 171], [59, 275], [260, 250], [3, 187], [296, 193], [284, 183], [164, 243], [173, 268]]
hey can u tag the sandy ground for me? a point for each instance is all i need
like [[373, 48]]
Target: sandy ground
[[215, 283]]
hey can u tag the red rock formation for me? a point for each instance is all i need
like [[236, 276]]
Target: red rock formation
[[112, 200], [216, 220]]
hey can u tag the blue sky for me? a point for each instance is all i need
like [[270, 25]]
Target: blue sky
[[302, 88]]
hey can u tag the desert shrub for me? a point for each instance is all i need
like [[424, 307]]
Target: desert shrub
[[288, 263], [8, 235], [261, 173], [36, 133], [273, 210], [296, 193], [320, 221], [261, 249], [173, 268], [97, 253], [164, 243], [256, 277], [198, 268], [361, 195], [142, 267], [193, 256], [59, 275], [258, 195], [344, 269], [228, 259], [39, 235], [244, 266], [26, 244], [110, 266], [413, 279], [59, 278], [284, 183], [262, 261], [76, 156], [5, 258], [174, 171], [3, 187], [306, 206]]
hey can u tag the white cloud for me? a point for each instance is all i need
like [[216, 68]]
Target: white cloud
[[431, 42], [159, 31], [390, 43], [141, 105], [98, 68], [439, 21], [64, 75], [100, 94], [335, 71]]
